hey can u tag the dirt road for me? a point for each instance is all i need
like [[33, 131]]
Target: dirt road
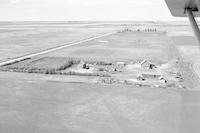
[[53, 49]]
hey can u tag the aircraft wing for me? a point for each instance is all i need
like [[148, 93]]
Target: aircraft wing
[[177, 7]]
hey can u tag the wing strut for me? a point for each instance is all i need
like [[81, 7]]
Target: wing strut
[[189, 12]]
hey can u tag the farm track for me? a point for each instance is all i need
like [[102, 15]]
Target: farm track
[[197, 65], [24, 57], [188, 70]]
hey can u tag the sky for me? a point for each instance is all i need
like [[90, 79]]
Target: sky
[[84, 10]]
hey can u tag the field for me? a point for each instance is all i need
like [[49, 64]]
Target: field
[[100, 85], [121, 46], [36, 103], [19, 39], [128, 47]]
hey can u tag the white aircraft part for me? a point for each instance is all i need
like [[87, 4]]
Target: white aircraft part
[[177, 7]]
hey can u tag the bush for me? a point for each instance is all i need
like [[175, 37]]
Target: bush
[[31, 70], [50, 71], [67, 64]]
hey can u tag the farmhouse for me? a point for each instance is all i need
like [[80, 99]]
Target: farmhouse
[[140, 77], [162, 79], [150, 76], [120, 64], [147, 65]]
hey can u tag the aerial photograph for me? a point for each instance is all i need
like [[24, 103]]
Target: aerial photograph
[[99, 66]]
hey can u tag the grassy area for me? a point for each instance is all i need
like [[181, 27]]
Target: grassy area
[[52, 65], [101, 55], [122, 46], [18, 40]]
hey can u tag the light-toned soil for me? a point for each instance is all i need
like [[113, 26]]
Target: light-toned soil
[[130, 47], [19, 42], [42, 103], [32, 102], [122, 46]]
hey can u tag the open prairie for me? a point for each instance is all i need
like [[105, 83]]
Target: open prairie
[[18, 39], [34, 103], [140, 79], [123, 46]]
